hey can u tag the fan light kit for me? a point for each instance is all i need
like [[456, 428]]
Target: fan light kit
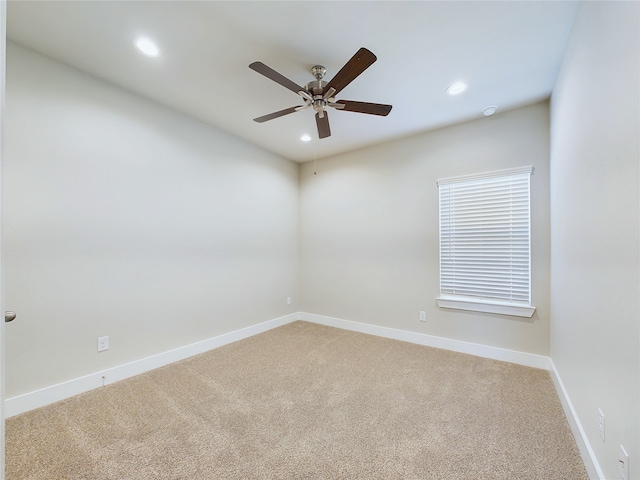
[[147, 47], [319, 94], [305, 138]]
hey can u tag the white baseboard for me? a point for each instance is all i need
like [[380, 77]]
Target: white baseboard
[[46, 396], [495, 353], [588, 456], [55, 393], [40, 398]]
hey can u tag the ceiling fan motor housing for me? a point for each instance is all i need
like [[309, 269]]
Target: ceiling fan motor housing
[[316, 89]]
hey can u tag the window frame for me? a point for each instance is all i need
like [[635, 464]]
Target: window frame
[[485, 303]]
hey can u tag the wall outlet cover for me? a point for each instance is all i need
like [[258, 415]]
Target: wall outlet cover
[[623, 463], [103, 344]]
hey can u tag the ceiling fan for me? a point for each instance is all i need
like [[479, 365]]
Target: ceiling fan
[[319, 94]]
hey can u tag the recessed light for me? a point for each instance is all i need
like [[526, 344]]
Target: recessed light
[[147, 47], [457, 88], [305, 138], [490, 110]]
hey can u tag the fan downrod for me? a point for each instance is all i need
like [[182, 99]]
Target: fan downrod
[[316, 89]]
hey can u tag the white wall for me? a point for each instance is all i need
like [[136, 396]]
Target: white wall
[[127, 219], [3, 44], [595, 274], [369, 229]]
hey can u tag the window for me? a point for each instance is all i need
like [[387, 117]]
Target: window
[[485, 242]]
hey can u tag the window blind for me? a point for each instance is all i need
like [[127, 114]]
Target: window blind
[[485, 241]]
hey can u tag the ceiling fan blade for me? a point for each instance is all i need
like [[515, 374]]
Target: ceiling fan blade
[[363, 107], [270, 73], [280, 113], [362, 60], [322, 123]]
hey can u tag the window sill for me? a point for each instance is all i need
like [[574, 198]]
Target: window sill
[[486, 307]]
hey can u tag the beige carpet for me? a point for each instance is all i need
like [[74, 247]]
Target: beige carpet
[[306, 401]]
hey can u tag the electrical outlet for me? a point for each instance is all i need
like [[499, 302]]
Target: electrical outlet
[[623, 463], [601, 424], [423, 316], [103, 344], [288, 300]]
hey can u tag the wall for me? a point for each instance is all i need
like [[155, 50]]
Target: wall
[[3, 42], [595, 277], [369, 229], [127, 219]]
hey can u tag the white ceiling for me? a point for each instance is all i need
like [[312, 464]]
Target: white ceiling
[[509, 52]]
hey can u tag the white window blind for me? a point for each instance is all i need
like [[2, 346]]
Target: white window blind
[[485, 242]]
